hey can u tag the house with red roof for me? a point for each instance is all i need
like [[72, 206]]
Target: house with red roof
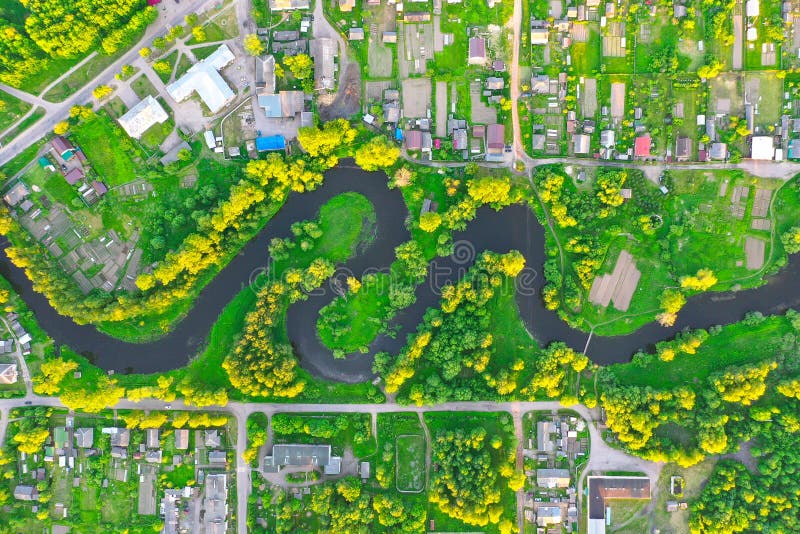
[[641, 147]]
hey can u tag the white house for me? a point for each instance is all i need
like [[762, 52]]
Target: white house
[[142, 116], [205, 80]]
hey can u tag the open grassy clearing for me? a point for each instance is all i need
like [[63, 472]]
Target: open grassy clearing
[[11, 109], [157, 133], [32, 119], [108, 148], [623, 510], [736, 344], [586, 57], [352, 322]]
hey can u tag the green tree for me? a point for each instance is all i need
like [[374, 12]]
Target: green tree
[[430, 221], [102, 91], [301, 66], [377, 153], [253, 45], [791, 240], [199, 34], [61, 128]]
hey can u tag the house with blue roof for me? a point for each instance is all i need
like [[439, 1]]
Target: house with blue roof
[[270, 143]]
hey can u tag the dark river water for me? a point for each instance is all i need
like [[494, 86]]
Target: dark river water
[[513, 228]]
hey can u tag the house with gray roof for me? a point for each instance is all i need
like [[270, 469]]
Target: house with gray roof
[[26, 493], [303, 455], [181, 438], [84, 438]]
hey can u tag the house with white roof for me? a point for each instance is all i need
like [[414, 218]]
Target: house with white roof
[[205, 80], [142, 116], [8, 373]]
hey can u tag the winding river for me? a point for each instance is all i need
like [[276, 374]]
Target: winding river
[[515, 227]]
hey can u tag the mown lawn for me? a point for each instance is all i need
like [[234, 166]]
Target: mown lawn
[[511, 339], [142, 87], [410, 451], [108, 149]]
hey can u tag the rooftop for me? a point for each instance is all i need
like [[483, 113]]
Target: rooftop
[[204, 79], [142, 116]]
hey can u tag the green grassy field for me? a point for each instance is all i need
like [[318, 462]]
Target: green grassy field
[[410, 454], [142, 87], [586, 56], [105, 146], [11, 109], [348, 324], [32, 119], [157, 133], [737, 344]]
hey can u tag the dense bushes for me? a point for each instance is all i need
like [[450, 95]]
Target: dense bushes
[[469, 483]]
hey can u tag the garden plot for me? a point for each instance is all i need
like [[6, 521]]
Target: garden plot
[[728, 215], [580, 33], [617, 100], [374, 90], [410, 462], [415, 47], [416, 97], [765, 92], [612, 41], [618, 286], [761, 203], [738, 36], [379, 56], [441, 109], [481, 113], [589, 98], [726, 96], [754, 253]]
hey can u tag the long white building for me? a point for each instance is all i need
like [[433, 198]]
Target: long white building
[[205, 80]]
